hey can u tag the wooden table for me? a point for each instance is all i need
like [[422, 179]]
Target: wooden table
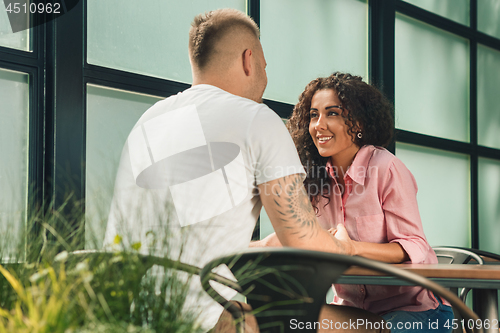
[[485, 279]]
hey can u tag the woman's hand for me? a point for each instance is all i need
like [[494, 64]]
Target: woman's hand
[[386, 252], [340, 233]]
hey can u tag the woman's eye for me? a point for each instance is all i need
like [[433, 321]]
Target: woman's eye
[[313, 115], [333, 113]]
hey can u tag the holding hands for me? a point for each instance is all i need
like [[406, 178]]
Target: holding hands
[[339, 234]]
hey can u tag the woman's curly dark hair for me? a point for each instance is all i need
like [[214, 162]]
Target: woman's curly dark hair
[[368, 112]]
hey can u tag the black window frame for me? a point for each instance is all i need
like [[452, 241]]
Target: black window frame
[[59, 74]]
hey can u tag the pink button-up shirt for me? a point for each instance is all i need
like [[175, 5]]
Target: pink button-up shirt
[[379, 205]]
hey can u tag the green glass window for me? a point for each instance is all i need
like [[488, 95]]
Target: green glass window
[[443, 192], [111, 114], [19, 40], [14, 120], [488, 99], [432, 80], [489, 204], [321, 37], [145, 37], [266, 228], [456, 10], [488, 17]]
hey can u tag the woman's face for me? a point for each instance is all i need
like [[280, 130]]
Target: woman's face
[[328, 128]]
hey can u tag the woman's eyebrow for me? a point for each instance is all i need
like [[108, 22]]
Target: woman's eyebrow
[[334, 106], [313, 109]]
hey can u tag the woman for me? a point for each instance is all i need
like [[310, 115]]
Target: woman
[[363, 194]]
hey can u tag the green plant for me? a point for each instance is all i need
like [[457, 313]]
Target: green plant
[[42, 306], [46, 287]]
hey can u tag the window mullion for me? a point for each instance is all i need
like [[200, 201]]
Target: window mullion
[[382, 16], [65, 105]]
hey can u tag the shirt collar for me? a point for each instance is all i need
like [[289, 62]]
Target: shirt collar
[[359, 167]]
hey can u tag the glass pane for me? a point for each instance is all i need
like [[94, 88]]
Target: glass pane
[[488, 17], [14, 113], [265, 225], [432, 80], [443, 192], [488, 99], [111, 114], [266, 228], [456, 10], [146, 37], [489, 205], [319, 41], [18, 40]]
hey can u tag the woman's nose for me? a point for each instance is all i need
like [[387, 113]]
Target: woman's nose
[[321, 123]]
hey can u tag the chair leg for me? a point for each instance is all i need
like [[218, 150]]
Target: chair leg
[[457, 314], [488, 307], [463, 294]]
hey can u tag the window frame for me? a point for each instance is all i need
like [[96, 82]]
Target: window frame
[[59, 74]]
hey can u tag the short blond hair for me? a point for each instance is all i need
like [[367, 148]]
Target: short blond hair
[[209, 28]]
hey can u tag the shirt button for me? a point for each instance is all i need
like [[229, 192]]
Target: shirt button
[[362, 290]]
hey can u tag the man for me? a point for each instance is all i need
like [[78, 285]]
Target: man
[[199, 165]]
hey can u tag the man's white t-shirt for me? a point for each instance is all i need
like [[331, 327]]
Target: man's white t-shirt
[[187, 182]]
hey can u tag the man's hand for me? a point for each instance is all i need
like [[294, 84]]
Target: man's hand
[[269, 241]]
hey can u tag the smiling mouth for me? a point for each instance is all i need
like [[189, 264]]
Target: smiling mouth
[[324, 139]]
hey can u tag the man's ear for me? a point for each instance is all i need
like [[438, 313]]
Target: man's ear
[[247, 64]]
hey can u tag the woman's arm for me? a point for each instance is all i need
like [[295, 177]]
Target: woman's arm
[[392, 253], [401, 224]]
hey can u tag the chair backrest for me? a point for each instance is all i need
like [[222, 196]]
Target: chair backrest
[[485, 255], [281, 284], [455, 255]]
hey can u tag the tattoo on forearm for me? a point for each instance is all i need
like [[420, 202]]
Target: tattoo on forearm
[[292, 203]]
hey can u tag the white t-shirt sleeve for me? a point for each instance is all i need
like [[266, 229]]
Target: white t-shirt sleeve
[[273, 151]]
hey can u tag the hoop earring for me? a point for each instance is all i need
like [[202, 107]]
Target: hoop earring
[[360, 135]]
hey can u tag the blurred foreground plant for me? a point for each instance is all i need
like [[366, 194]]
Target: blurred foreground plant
[[42, 291], [44, 304], [94, 293]]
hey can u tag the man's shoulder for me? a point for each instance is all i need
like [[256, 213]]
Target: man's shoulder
[[214, 100], [217, 94], [210, 101]]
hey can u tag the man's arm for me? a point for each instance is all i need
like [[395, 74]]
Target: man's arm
[[268, 241], [292, 216]]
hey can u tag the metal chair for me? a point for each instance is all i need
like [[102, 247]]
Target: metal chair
[[463, 255], [455, 255], [484, 255], [281, 284]]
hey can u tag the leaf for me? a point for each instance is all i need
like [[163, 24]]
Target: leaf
[[137, 246], [4, 313], [61, 256], [117, 240], [13, 282]]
